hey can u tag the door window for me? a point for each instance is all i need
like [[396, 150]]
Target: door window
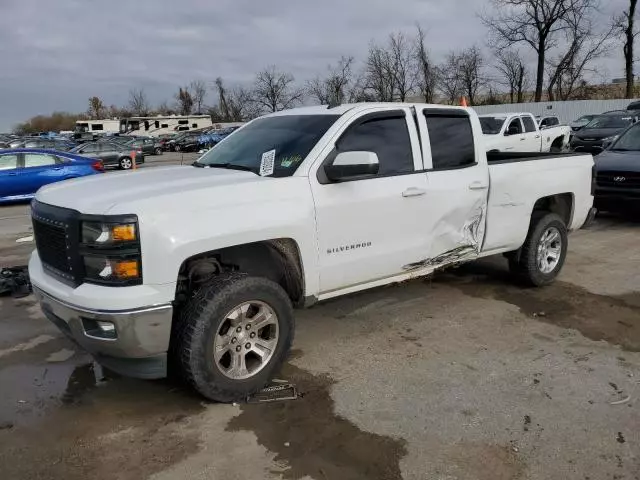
[[8, 162], [451, 139], [515, 127], [388, 137], [38, 160], [91, 148], [529, 125]]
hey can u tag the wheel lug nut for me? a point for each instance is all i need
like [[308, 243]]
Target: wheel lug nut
[[234, 340], [247, 346], [252, 334], [238, 348], [249, 327], [239, 329]]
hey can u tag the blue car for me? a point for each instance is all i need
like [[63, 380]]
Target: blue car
[[23, 171]]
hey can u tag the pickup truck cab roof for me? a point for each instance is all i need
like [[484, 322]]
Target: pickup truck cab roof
[[522, 132]]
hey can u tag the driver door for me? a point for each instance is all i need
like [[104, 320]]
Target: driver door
[[370, 227]]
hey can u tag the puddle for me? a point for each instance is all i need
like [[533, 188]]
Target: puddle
[[307, 435], [614, 319], [79, 422]]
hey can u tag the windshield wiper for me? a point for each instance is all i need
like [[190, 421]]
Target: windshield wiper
[[198, 164], [230, 166]]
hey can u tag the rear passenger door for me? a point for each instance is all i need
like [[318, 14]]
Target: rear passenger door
[[371, 228], [39, 169], [458, 185], [533, 139], [9, 180]]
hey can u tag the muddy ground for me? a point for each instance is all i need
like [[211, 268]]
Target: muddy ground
[[461, 376]]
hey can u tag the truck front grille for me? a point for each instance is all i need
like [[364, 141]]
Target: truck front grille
[[612, 179], [55, 231]]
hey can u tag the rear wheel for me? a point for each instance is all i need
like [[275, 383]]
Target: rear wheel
[[158, 151], [177, 148], [125, 163], [544, 251], [233, 336]]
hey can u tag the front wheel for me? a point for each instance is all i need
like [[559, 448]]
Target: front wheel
[[544, 251], [233, 336], [177, 148], [125, 163], [158, 151]]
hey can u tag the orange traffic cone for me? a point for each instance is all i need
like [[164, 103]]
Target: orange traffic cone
[[133, 159], [463, 102]]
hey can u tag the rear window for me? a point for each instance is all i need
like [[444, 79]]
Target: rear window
[[451, 138]]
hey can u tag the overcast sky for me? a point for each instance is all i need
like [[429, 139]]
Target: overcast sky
[[55, 54]]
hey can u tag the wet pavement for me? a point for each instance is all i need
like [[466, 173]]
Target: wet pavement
[[461, 376]]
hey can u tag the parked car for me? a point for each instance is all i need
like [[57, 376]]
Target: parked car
[[111, 154], [581, 122], [149, 146], [617, 172], [164, 140], [284, 214], [17, 142], [633, 106], [54, 144], [187, 142], [602, 129], [519, 132], [24, 171]]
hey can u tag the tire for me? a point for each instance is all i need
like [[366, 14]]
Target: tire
[[158, 151], [177, 148], [207, 319], [527, 267], [125, 163]]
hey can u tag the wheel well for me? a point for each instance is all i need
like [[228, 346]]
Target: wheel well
[[277, 259], [560, 204], [559, 140]]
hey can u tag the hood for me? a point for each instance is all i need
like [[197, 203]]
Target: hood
[[598, 133], [158, 187], [623, 161]]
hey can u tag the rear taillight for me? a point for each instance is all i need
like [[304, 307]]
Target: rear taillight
[[98, 166]]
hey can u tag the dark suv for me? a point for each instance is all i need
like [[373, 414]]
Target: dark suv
[[111, 154], [187, 142], [149, 146], [601, 131]]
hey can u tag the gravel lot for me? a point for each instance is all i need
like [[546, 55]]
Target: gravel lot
[[461, 376]]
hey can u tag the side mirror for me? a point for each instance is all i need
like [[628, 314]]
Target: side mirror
[[348, 165]]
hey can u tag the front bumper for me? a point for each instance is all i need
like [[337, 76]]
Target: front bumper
[[606, 198], [140, 343], [591, 146]]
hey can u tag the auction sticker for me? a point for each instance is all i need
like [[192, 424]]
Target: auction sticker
[[267, 163]]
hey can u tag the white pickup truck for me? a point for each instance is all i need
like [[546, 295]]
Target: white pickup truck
[[199, 266], [519, 132]]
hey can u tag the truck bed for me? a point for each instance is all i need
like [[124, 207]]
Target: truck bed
[[517, 179]]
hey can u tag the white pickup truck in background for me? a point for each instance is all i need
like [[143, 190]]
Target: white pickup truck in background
[[519, 132], [199, 266]]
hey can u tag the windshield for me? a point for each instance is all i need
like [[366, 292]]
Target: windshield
[[491, 125], [629, 140], [584, 120], [273, 146], [610, 121]]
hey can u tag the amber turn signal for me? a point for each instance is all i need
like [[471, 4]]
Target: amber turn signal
[[123, 233], [125, 269]]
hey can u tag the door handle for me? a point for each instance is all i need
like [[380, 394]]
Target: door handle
[[478, 186], [413, 192], [522, 139]]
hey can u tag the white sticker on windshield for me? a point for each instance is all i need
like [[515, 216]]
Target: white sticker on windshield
[[267, 163]]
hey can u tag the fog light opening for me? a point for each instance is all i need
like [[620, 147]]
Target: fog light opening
[[99, 329]]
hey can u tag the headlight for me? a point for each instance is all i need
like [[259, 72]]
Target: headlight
[[94, 233], [111, 252]]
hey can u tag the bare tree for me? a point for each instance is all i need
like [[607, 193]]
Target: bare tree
[[514, 74], [184, 100], [471, 72], [164, 109], [97, 109], [334, 88], [532, 22], [275, 90], [198, 91], [138, 103], [449, 81], [625, 26], [583, 46], [235, 105], [390, 71], [427, 73]]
